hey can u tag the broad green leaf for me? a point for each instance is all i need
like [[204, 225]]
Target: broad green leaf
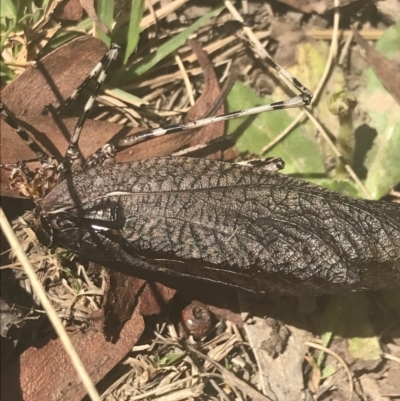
[[382, 160], [343, 186], [311, 62], [302, 153], [367, 346], [363, 343], [299, 150]]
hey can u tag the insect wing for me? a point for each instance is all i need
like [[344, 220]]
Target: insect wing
[[223, 222]]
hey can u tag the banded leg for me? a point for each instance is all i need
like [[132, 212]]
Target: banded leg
[[9, 118], [305, 93], [268, 164], [23, 180], [72, 152], [263, 55], [113, 147], [101, 65], [110, 149]]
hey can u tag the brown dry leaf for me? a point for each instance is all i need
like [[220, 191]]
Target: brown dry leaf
[[51, 81], [388, 71], [88, 6], [47, 374], [54, 77], [70, 10], [153, 298], [47, 133], [120, 298], [123, 294]]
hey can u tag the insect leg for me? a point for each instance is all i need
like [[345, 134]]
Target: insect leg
[[9, 118], [29, 183], [72, 152], [111, 148], [101, 65], [263, 55], [305, 93], [269, 163]]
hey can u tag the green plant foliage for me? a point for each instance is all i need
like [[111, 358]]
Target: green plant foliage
[[383, 115], [299, 150]]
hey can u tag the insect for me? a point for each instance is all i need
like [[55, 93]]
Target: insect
[[246, 226]]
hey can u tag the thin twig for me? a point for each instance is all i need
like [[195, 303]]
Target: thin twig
[[340, 360], [186, 79]]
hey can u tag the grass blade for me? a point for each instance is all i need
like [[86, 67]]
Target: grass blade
[[134, 27], [163, 51]]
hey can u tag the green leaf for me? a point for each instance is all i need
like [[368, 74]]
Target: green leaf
[[311, 62], [228, 364], [365, 347], [299, 150], [105, 12], [126, 97], [169, 359], [75, 280], [363, 343], [6, 73], [331, 323], [343, 186], [383, 114], [163, 51], [8, 10], [327, 371], [347, 316], [134, 28]]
